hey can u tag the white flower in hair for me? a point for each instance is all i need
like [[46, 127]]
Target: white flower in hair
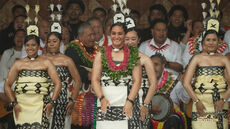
[[59, 7], [52, 7], [204, 14], [124, 2], [119, 18], [56, 27], [213, 5], [120, 3], [52, 17], [126, 11], [27, 8], [59, 16], [204, 5], [114, 7], [130, 23]]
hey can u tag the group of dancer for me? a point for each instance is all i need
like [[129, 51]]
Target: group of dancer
[[123, 80]]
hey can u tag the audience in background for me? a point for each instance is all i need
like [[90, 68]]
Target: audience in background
[[156, 11], [100, 13]]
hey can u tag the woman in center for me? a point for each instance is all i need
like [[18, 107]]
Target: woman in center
[[116, 80]]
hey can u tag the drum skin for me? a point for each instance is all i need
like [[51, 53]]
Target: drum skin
[[165, 104]]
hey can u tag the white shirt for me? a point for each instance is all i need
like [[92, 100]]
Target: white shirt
[[8, 58], [102, 40], [170, 50], [187, 55], [42, 45], [227, 38]]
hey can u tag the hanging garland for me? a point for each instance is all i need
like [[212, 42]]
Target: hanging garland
[[82, 53], [166, 85], [116, 72], [194, 45]]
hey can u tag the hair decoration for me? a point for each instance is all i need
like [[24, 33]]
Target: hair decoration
[[118, 18], [32, 30], [58, 8], [130, 22], [213, 24], [56, 27]]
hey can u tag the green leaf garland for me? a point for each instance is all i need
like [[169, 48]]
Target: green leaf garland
[[80, 53], [133, 61]]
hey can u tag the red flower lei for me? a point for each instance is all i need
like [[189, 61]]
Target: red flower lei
[[86, 54], [222, 47], [106, 41], [163, 80], [123, 66], [193, 44]]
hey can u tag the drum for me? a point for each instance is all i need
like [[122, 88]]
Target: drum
[[165, 105]]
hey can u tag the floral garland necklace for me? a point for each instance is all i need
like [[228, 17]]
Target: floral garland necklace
[[106, 41], [222, 47], [125, 68], [194, 45], [83, 54], [166, 83]]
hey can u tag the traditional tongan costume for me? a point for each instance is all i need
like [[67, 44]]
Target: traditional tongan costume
[[32, 93], [209, 87]]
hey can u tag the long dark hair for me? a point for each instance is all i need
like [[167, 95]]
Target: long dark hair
[[122, 25], [30, 37]]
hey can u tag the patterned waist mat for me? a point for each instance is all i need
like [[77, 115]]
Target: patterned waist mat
[[33, 88], [210, 116], [112, 114]]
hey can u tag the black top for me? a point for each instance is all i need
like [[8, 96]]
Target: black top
[[176, 34], [146, 34], [74, 30], [6, 38], [72, 53]]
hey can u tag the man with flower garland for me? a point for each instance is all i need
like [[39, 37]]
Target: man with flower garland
[[82, 52], [177, 120]]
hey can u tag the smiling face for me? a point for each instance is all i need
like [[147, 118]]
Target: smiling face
[[117, 36], [98, 29], [31, 48], [177, 18], [74, 12], [53, 44], [131, 38], [210, 43]]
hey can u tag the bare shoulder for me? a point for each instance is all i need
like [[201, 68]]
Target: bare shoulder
[[225, 59], [65, 58], [45, 60]]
